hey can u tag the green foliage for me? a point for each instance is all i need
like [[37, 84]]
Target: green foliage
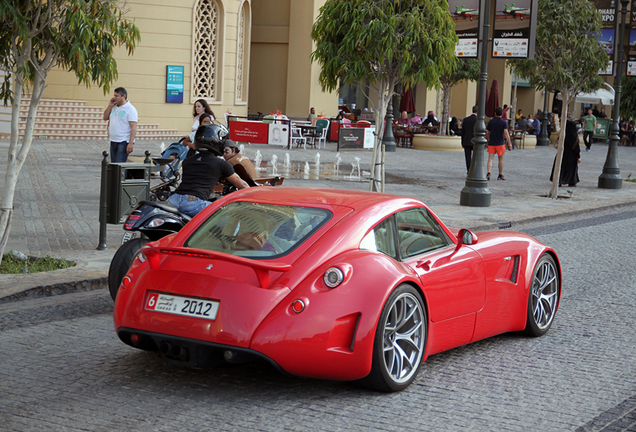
[[567, 54], [357, 40], [12, 265], [628, 97], [76, 35], [468, 69]]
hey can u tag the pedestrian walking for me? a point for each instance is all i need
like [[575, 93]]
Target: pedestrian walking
[[589, 126], [122, 125], [498, 138], [468, 132]]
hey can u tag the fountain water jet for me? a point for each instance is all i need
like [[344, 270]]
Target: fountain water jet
[[274, 167], [338, 160], [257, 160]]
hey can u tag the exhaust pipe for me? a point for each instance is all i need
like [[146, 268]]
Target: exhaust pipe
[[174, 351]]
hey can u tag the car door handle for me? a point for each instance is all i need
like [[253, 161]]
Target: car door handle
[[424, 265]]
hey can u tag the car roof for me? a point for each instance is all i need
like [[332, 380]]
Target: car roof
[[320, 197]]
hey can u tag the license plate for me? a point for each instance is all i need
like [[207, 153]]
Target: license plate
[[206, 309]]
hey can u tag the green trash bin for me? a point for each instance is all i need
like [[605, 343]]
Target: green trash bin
[[127, 184], [602, 129]]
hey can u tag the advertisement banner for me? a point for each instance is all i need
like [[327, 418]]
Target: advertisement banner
[[607, 35], [631, 64], [465, 14], [174, 84], [278, 134], [356, 138], [249, 131], [512, 30], [631, 22]]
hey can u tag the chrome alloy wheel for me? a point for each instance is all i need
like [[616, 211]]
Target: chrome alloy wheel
[[404, 337], [544, 296]]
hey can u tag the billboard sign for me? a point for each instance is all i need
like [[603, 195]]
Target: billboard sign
[[466, 15], [174, 84], [631, 59], [607, 36], [514, 29]]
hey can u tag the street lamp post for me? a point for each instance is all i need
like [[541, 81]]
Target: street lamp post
[[544, 138], [476, 193], [388, 139], [611, 177]]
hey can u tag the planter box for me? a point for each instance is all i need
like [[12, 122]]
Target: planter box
[[437, 143]]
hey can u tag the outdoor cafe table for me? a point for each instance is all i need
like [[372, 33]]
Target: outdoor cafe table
[[307, 130]]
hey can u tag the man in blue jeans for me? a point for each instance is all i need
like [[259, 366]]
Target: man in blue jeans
[[122, 125], [202, 171], [589, 126]]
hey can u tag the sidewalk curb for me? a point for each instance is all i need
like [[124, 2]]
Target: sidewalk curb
[[57, 289]]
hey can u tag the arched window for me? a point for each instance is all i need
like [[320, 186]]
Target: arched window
[[206, 46], [242, 52]]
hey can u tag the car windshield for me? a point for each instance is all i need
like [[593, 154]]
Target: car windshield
[[257, 230]]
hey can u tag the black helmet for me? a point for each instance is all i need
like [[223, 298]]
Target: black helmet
[[211, 138]]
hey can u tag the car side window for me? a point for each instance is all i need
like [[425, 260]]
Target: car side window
[[381, 238], [418, 232]]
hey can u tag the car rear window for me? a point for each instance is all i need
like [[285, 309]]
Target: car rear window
[[257, 230]]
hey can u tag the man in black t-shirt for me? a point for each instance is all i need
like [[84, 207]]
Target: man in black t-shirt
[[497, 136], [202, 171]]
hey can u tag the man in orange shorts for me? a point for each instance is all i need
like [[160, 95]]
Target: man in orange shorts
[[498, 139]]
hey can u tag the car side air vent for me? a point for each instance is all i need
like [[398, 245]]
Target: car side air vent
[[515, 270]]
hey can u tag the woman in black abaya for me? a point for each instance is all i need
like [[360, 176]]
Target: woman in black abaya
[[571, 156]]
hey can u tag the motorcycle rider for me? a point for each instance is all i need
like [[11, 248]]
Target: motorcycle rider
[[202, 171]]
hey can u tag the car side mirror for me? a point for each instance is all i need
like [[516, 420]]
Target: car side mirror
[[466, 237]]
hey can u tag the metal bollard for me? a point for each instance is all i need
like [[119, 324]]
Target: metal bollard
[[147, 160], [103, 204]]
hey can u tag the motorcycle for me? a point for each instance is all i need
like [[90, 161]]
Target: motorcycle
[[150, 221]]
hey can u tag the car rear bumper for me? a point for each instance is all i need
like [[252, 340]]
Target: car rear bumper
[[190, 352]]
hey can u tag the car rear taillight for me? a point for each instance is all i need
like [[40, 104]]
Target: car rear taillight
[[333, 277]]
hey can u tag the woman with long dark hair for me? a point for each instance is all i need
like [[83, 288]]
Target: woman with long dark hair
[[200, 107]]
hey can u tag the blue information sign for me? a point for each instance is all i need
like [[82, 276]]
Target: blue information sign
[[174, 84]]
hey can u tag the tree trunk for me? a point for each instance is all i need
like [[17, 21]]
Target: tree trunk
[[556, 172], [377, 161], [18, 154], [446, 91]]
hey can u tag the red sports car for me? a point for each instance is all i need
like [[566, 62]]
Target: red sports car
[[331, 283]]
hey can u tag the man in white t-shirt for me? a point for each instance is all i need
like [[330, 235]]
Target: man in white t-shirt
[[122, 126]]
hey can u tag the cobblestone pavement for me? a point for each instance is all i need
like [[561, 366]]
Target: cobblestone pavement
[[65, 370]]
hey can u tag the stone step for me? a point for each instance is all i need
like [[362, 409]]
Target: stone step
[[72, 119]]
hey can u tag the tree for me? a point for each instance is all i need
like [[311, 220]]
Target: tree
[[567, 58], [628, 97], [467, 69], [383, 42], [35, 37]]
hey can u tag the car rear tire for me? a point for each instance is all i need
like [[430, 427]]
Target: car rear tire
[[122, 260], [400, 340], [543, 299]]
